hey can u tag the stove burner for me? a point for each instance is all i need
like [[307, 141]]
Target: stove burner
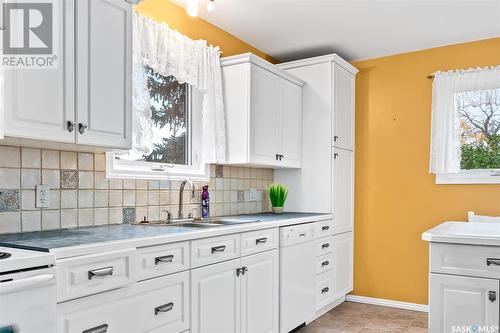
[[4, 255]]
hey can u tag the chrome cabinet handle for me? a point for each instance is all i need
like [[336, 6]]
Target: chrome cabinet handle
[[492, 261], [335, 155], [302, 235], [492, 296], [82, 128], [98, 329], [325, 227], [164, 308], [325, 263], [326, 245], [164, 259], [238, 271], [70, 126], [220, 248], [244, 269], [325, 290], [101, 272], [260, 240], [335, 138]]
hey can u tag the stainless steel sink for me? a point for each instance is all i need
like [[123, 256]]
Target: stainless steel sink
[[211, 223], [231, 221]]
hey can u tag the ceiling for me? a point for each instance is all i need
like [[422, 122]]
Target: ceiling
[[355, 29]]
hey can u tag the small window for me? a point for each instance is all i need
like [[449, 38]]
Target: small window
[[479, 112], [480, 128], [175, 134]]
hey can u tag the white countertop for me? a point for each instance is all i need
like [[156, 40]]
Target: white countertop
[[475, 233]]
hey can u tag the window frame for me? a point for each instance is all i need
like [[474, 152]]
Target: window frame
[[196, 170]]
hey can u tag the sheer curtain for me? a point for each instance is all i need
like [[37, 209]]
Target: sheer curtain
[[446, 132], [168, 52]]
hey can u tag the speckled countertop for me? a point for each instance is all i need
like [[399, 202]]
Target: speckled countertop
[[71, 242]]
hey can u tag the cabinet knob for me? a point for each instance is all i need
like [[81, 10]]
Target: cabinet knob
[[492, 296], [335, 155], [82, 128], [335, 138], [70, 126]]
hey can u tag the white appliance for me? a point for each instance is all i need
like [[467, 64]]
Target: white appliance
[[297, 276], [27, 291]]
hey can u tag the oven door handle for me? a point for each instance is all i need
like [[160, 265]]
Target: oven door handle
[[11, 286]]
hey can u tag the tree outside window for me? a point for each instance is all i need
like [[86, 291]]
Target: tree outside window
[[480, 128]]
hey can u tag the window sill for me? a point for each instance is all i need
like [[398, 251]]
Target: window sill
[[118, 169], [470, 177]]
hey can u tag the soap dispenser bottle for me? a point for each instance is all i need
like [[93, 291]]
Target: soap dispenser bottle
[[205, 202]]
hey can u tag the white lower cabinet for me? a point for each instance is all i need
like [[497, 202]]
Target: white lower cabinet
[[458, 303], [156, 305], [239, 295], [343, 249]]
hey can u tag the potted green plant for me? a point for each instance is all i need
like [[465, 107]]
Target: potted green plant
[[277, 194]]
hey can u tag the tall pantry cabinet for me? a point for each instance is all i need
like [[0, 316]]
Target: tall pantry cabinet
[[325, 183]]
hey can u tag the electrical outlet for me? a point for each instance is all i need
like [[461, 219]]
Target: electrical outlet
[[42, 196], [252, 194]]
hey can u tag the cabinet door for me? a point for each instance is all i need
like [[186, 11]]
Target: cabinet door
[[343, 250], [290, 125], [265, 105], [259, 290], [343, 109], [215, 298], [343, 191], [460, 301], [104, 72], [40, 102]]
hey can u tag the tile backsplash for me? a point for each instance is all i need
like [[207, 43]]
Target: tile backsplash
[[81, 195]]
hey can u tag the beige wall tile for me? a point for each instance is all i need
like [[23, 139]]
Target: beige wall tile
[[50, 159], [101, 216], [141, 184], [85, 198], [153, 198], [68, 160], [115, 198], [69, 218], [10, 222], [30, 178], [115, 215], [100, 198], [51, 219], [55, 199], [141, 198], [10, 178], [99, 162], [69, 199], [51, 178], [85, 217], [128, 198], [115, 184], [85, 180], [100, 181], [129, 184], [154, 213], [28, 200], [30, 158], [140, 213], [31, 220], [10, 157], [85, 161]]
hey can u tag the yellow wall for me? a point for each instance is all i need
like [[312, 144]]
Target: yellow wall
[[196, 28], [396, 198]]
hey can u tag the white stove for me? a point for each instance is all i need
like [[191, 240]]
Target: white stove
[[27, 291]]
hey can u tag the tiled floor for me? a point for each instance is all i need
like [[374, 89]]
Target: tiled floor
[[352, 317]]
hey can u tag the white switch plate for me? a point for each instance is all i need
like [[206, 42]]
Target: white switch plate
[[42, 196]]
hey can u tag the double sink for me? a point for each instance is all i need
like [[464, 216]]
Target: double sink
[[210, 223]]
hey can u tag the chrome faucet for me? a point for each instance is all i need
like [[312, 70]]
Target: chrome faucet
[[181, 191]]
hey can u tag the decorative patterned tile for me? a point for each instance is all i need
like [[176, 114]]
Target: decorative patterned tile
[[219, 173], [9, 200], [128, 215], [69, 179]]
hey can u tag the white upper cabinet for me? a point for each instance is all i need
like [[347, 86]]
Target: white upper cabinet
[[104, 72], [87, 97], [263, 111], [343, 117], [39, 103]]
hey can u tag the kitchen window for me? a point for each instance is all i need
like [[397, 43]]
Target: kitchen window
[[466, 127], [174, 136]]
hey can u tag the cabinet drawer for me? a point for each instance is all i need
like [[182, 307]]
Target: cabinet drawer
[[296, 234], [156, 305], [215, 249], [323, 229], [258, 241], [95, 273], [324, 289], [470, 260], [324, 246], [161, 260], [324, 263], [163, 304]]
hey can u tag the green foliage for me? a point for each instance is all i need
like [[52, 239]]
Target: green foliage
[[168, 110], [277, 194], [483, 155]]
